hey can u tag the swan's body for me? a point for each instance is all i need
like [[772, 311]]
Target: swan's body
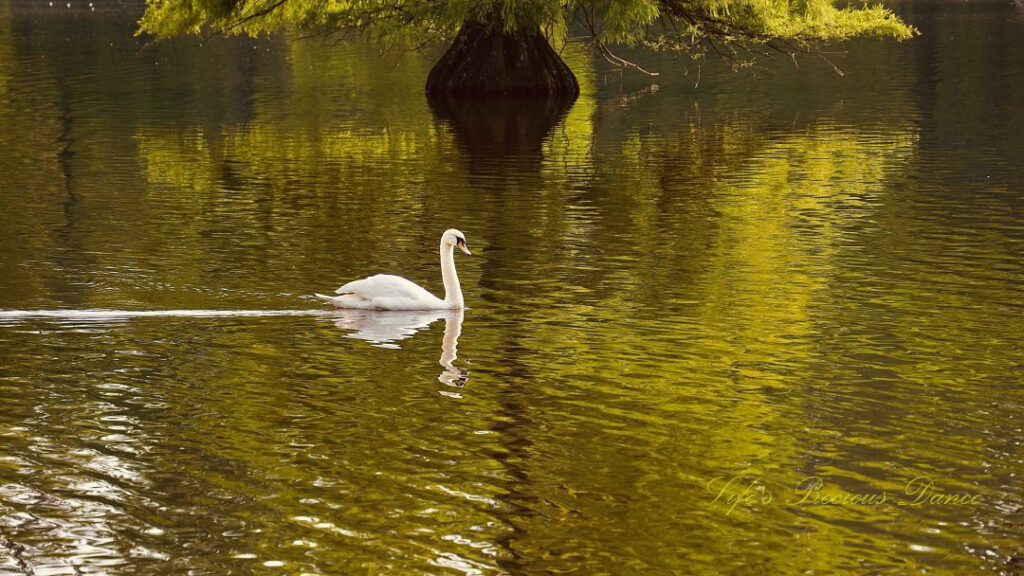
[[389, 292], [385, 292]]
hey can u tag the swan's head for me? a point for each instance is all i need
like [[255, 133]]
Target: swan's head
[[453, 237]]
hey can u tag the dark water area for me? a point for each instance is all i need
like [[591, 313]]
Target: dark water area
[[690, 296]]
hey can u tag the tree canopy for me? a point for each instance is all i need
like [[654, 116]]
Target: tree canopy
[[734, 28]]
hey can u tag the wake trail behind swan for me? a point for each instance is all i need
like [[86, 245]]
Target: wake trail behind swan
[[104, 314]]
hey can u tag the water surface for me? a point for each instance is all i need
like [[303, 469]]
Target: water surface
[[758, 278]]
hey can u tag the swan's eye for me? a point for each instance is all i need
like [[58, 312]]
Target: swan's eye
[[460, 240]]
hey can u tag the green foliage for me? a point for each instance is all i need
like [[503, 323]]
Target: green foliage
[[693, 26]]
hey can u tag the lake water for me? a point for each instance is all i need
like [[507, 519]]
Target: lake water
[[690, 296]]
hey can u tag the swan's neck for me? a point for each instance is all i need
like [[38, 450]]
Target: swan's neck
[[452, 290]]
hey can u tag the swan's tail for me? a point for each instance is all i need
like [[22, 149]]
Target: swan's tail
[[326, 298], [345, 300]]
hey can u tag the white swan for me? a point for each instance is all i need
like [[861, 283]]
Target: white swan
[[387, 292]]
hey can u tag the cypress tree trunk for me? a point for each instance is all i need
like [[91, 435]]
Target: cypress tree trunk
[[486, 61]]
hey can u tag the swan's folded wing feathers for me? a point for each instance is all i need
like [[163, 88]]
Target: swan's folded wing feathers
[[382, 286], [350, 287]]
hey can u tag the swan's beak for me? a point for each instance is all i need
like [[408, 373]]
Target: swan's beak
[[462, 246]]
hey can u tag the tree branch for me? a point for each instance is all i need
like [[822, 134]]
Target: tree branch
[[620, 62], [261, 12]]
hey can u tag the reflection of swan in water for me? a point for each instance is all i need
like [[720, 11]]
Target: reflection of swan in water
[[385, 328], [452, 376]]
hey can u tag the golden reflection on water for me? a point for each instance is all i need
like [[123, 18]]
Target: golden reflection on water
[[674, 287]]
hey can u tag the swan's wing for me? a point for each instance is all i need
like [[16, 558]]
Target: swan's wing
[[384, 286]]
